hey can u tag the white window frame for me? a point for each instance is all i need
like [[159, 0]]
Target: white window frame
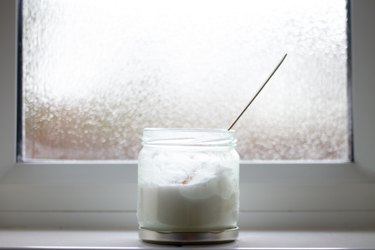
[[103, 195]]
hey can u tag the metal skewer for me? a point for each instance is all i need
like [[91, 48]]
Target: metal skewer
[[261, 88]]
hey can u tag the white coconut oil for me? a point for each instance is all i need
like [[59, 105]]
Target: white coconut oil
[[188, 180]]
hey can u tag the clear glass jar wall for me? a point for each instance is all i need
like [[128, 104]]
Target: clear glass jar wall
[[188, 180]]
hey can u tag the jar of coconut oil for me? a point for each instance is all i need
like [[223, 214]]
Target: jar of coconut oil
[[188, 186]]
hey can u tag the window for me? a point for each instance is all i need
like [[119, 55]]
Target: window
[[95, 73], [273, 195]]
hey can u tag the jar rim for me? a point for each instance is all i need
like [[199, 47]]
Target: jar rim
[[221, 130], [188, 137]]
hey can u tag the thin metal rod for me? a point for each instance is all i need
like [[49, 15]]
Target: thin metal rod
[[261, 88]]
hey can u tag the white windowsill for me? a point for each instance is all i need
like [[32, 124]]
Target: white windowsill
[[66, 239]]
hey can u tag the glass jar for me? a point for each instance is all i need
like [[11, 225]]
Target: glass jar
[[188, 180]]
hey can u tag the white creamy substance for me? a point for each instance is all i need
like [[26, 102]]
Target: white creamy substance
[[205, 198]]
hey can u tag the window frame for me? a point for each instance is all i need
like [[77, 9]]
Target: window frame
[[273, 195]]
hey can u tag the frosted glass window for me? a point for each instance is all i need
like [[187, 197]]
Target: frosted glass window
[[96, 72]]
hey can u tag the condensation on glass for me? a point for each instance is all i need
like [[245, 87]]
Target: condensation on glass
[[95, 73]]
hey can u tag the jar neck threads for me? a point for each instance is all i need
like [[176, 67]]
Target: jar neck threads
[[189, 137]]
